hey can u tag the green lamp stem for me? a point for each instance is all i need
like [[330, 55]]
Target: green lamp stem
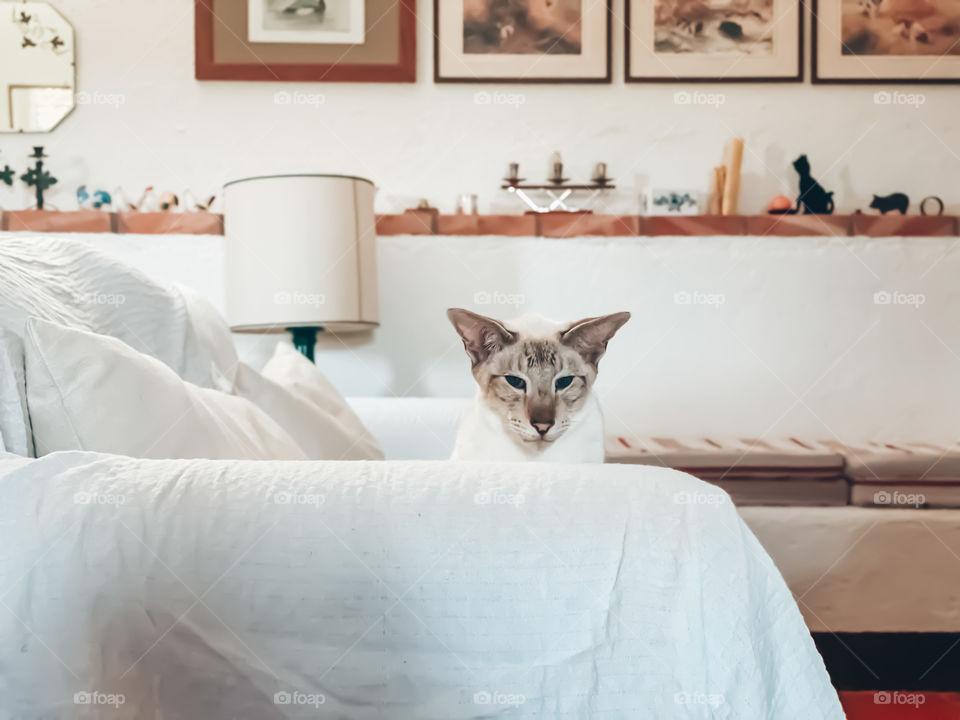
[[305, 340]]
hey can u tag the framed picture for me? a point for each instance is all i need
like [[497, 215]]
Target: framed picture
[[882, 41], [700, 41], [539, 41], [325, 22], [292, 40]]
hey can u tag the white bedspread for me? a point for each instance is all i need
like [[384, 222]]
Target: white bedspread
[[207, 589]]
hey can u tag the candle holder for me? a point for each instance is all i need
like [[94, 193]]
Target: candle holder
[[38, 178], [556, 192]]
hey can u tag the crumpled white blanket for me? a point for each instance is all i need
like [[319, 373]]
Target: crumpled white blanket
[[208, 589]]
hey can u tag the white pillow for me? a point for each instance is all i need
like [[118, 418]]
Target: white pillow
[[70, 283], [92, 392], [291, 370], [15, 433], [323, 434]]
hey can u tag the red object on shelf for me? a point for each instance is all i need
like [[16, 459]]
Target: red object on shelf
[[900, 705]]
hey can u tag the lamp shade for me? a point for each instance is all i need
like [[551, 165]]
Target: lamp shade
[[300, 252]]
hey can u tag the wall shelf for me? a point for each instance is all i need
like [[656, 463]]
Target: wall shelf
[[553, 225]]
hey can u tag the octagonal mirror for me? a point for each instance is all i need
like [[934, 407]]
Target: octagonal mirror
[[37, 67]]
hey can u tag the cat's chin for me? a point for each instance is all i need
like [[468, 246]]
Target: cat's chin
[[536, 441]]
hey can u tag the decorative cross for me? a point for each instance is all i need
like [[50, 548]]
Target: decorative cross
[[6, 175], [38, 177]]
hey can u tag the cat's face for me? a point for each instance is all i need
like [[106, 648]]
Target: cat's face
[[801, 165], [533, 373]]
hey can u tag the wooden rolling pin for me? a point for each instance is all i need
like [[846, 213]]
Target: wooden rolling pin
[[731, 187]]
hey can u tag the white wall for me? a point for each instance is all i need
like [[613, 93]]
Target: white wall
[[433, 141], [795, 343]]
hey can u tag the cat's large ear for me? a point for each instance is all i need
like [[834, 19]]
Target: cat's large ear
[[590, 336], [482, 336]]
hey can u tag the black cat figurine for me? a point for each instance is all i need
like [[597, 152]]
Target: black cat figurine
[[896, 201], [814, 199]]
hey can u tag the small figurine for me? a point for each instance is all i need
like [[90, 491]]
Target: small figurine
[[99, 200], [121, 200], [37, 177], [190, 203], [814, 199], [148, 201], [896, 201], [168, 201]]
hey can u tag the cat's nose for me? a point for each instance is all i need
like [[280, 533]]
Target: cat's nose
[[542, 427]]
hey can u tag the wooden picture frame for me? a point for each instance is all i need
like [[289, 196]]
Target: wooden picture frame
[[831, 65], [784, 66], [391, 30], [543, 68]]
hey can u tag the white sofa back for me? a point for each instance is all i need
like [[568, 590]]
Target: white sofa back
[[855, 338]]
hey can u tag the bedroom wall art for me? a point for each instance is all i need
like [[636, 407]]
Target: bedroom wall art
[[542, 42], [306, 40], [697, 41], [869, 41]]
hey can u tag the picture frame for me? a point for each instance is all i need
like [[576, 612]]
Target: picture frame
[[857, 45], [388, 52], [570, 43], [662, 44], [330, 22]]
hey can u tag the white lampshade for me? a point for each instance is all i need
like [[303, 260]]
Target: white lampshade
[[300, 252]]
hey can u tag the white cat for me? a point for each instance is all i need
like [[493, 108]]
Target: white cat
[[534, 378]]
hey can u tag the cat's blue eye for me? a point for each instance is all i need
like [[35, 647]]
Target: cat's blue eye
[[563, 382], [517, 382]]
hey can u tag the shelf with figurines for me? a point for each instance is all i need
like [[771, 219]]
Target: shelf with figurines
[[672, 212], [101, 211]]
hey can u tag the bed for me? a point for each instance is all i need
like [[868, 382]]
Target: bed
[[279, 582], [397, 589]]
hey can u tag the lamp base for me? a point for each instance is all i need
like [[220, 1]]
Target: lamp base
[[305, 340]]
